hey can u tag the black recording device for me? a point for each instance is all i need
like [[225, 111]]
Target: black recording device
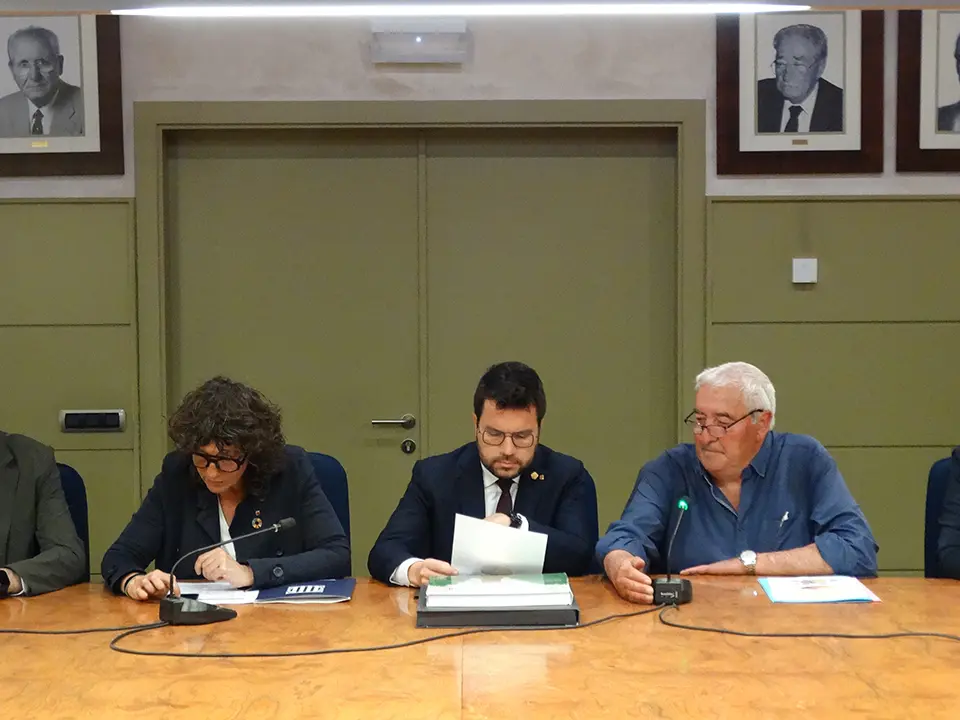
[[187, 611], [670, 591]]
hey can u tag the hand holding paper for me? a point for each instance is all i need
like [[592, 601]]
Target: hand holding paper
[[486, 548]]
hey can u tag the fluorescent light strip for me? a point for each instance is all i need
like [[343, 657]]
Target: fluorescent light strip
[[460, 10]]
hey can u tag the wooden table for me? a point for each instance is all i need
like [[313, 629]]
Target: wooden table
[[633, 667]]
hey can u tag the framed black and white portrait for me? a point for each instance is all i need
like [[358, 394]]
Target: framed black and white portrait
[[60, 105], [800, 93], [928, 91]]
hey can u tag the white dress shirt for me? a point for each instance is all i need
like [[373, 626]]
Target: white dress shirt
[[803, 124], [491, 497], [225, 532]]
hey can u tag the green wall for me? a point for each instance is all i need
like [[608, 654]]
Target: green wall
[[68, 341], [866, 359]]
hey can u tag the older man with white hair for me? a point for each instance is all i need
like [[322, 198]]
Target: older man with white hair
[[761, 502]]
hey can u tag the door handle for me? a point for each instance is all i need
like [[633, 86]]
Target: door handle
[[407, 422]]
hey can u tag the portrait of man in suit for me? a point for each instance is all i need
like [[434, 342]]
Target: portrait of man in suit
[[798, 99], [948, 116], [44, 104]]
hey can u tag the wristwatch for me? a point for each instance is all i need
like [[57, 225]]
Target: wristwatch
[[515, 520], [4, 584], [749, 560]]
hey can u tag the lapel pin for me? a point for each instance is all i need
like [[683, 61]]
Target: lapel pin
[[257, 522], [536, 476]]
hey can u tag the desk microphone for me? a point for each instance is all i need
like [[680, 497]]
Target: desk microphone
[[187, 611], [667, 591]]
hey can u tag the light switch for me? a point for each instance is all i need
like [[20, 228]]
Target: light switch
[[804, 270]]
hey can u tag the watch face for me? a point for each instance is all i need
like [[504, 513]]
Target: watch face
[[748, 558]]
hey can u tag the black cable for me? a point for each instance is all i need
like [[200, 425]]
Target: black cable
[[843, 636], [87, 631], [373, 648]]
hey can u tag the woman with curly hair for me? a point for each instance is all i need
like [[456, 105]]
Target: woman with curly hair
[[231, 473]]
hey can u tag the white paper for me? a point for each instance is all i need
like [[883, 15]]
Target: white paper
[[485, 548], [195, 587], [817, 589], [229, 597]]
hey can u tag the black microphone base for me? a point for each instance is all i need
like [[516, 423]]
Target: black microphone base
[[187, 611], [672, 591]]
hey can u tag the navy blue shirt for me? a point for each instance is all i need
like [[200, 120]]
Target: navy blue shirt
[[792, 494]]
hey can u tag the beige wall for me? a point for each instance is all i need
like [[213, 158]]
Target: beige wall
[[635, 58]]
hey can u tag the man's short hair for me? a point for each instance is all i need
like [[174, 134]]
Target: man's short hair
[[48, 37], [755, 387], [811, 33], [511, 386]]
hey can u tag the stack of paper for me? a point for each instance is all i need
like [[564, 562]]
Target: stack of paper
[[513, 591], [817, 589]]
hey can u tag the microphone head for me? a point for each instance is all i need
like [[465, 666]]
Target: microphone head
[[286, 524], [683, 503]]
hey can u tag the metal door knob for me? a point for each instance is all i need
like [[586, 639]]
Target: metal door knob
[[407, 422]]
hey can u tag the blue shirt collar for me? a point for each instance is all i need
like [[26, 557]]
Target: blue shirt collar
[[761, 460]]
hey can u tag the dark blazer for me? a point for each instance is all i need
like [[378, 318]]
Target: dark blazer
[[179, 514], [948, 549], [562, 504], [38, 540], [67, 118], [827, 113]]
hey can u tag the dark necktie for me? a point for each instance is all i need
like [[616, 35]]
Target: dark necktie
[[37, 127], [793, 124], [505, 504]]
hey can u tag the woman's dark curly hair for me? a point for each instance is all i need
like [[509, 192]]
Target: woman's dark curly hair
[[225, 412]]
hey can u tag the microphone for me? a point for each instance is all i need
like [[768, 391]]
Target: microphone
[[187, 611], [667, 591]]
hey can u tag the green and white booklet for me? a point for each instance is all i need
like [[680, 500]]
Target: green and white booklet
[[499, 591]]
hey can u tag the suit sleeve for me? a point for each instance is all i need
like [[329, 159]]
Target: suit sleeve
[[572, 536], [407, 533], [61, 560], [139, 543], [948, 549], [327, 552]]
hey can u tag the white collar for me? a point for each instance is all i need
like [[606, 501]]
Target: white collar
[[807, 104], [489, 479]]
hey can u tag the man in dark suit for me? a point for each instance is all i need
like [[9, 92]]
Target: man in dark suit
[[505, 477], [39, 547], [948, 117], [44, 105], [798, 99]]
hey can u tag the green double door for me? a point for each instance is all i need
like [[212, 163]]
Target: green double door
[[366, 276]]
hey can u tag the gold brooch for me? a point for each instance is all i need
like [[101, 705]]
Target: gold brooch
[[257, 522], [536, 476]]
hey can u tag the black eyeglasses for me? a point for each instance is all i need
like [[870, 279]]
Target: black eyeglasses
[[714, 430], [522, 439], [201, 461]]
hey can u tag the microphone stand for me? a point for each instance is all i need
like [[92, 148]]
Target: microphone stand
[[175, 610], [667, 591]]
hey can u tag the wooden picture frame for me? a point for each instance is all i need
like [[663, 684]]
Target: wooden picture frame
[[914, 151], [732, 160], [40, 156]]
